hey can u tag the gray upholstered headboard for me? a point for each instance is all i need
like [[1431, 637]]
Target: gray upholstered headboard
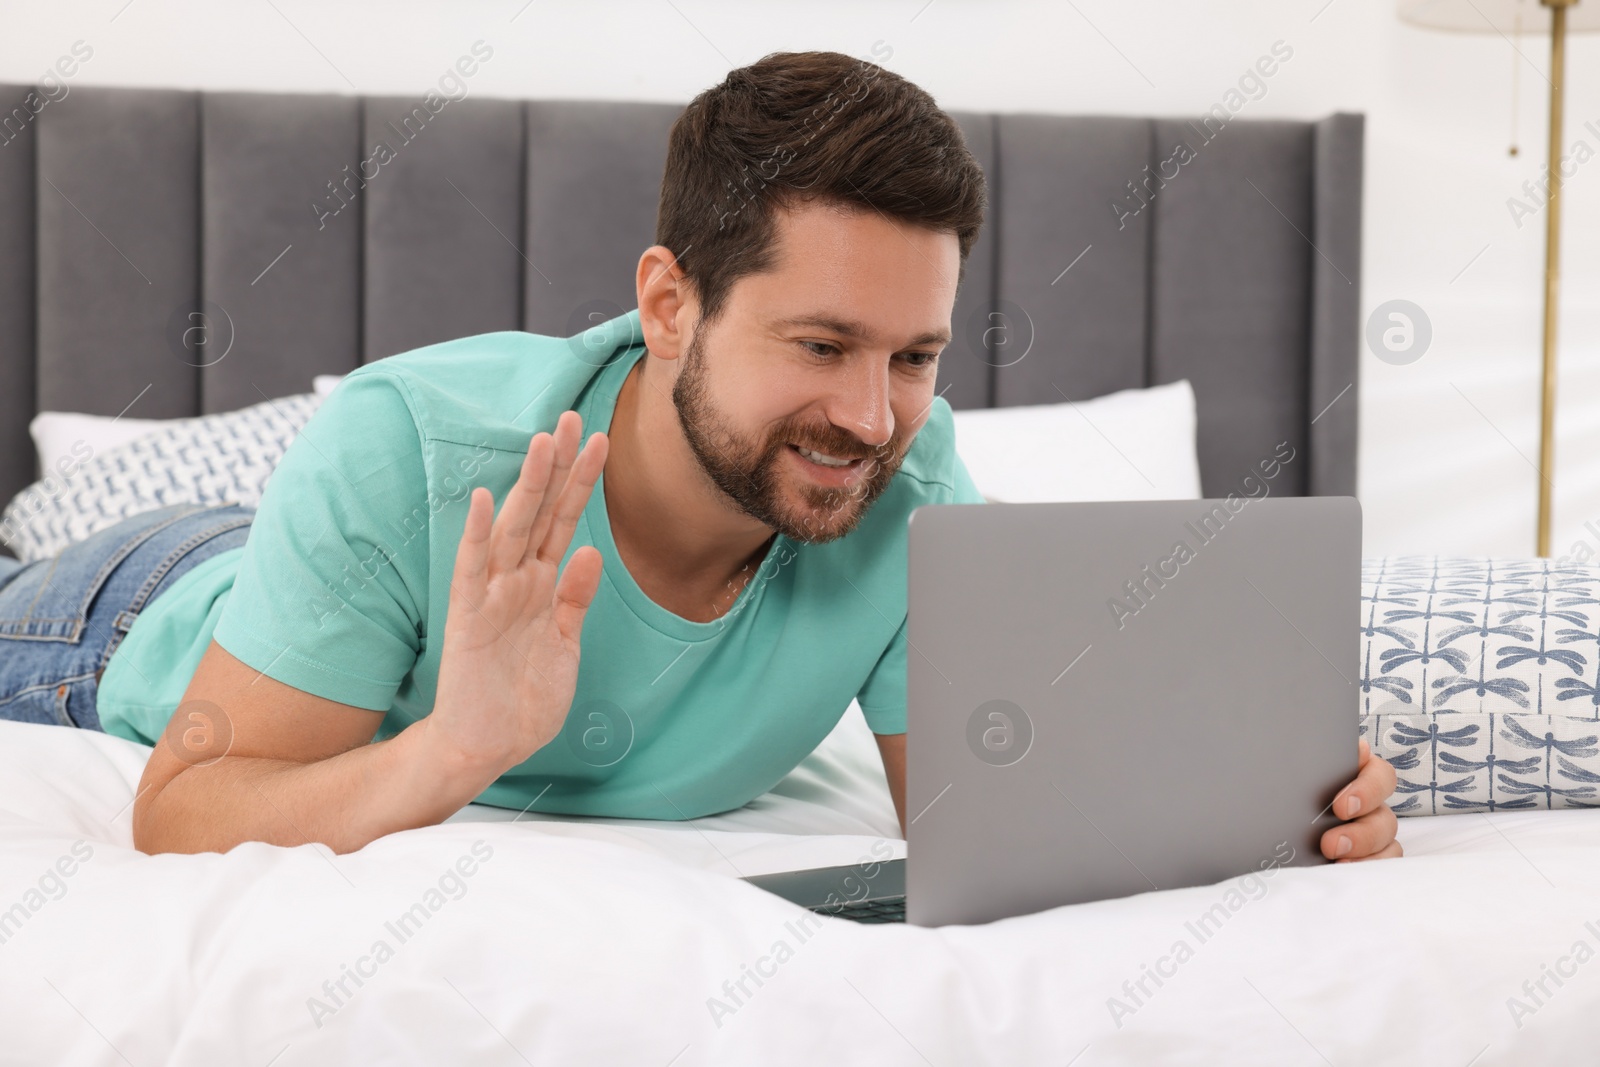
[[1111, 257]]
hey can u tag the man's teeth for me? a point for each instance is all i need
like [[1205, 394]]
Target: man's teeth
[[826, 461]]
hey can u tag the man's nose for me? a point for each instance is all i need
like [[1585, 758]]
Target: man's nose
[[862, 403]]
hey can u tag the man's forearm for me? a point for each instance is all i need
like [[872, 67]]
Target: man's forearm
[[344, 802], [892, 747]]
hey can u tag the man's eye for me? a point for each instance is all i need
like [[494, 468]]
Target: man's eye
[[831, 349], [922, 359]]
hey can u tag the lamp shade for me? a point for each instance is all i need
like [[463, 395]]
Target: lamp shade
[[1497, 16]]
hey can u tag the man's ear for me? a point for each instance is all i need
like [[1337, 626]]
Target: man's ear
[[667, 307]]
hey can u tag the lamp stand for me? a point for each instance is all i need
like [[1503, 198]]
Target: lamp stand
[[1552, 266]]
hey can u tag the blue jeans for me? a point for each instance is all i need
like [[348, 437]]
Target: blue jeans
[[62, 618]]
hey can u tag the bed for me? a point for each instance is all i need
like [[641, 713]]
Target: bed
[[501, 937], [596, 941]]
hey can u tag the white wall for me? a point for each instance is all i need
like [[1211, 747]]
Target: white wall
[[1447, 443]]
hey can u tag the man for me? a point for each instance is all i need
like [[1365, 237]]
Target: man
[[439, 545]]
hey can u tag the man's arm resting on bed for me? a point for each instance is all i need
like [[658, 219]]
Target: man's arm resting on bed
[[265, 761], [1370, 833], [248, 758]]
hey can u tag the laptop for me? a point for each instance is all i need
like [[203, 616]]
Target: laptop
[[1110, 698]]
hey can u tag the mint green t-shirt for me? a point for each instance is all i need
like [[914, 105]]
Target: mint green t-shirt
[[342, 587]]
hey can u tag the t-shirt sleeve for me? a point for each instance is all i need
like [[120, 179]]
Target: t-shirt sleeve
[[883, 697], [331, 588]]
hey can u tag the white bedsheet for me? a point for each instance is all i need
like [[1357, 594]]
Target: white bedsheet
[[604, 941]]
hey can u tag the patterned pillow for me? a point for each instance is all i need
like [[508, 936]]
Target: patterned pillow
[[1480, 681], [211, 459]]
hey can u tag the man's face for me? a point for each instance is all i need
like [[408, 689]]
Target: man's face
[[802, 398]]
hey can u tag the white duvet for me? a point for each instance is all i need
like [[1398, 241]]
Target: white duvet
[[507, 941]]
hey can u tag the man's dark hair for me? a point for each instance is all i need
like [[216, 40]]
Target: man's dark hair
[[800, 126]]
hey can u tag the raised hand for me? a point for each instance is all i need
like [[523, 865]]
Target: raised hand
[[509, 665]]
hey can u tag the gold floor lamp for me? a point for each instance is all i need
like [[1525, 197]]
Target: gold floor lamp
[[1511, 19]]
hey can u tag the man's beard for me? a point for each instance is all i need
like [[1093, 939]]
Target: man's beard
[[751, 475]]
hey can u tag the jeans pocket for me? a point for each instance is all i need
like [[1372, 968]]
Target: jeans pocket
[[49, 599]]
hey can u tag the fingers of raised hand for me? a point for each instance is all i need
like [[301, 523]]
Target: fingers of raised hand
[[514, 525], [472, 556], [575, 592], [569, 432], [574, 497]]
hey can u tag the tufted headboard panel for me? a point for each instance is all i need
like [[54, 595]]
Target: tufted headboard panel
[[1117, 252]]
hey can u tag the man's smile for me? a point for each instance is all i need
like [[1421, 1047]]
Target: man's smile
[[830, 470]]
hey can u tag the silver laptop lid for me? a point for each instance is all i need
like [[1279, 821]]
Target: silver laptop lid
[[1106, 698]]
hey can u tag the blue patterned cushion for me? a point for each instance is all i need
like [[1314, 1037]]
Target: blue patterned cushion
[[1480, 681]]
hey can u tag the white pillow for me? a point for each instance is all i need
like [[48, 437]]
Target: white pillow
[[1137, 444], [61, 436]]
